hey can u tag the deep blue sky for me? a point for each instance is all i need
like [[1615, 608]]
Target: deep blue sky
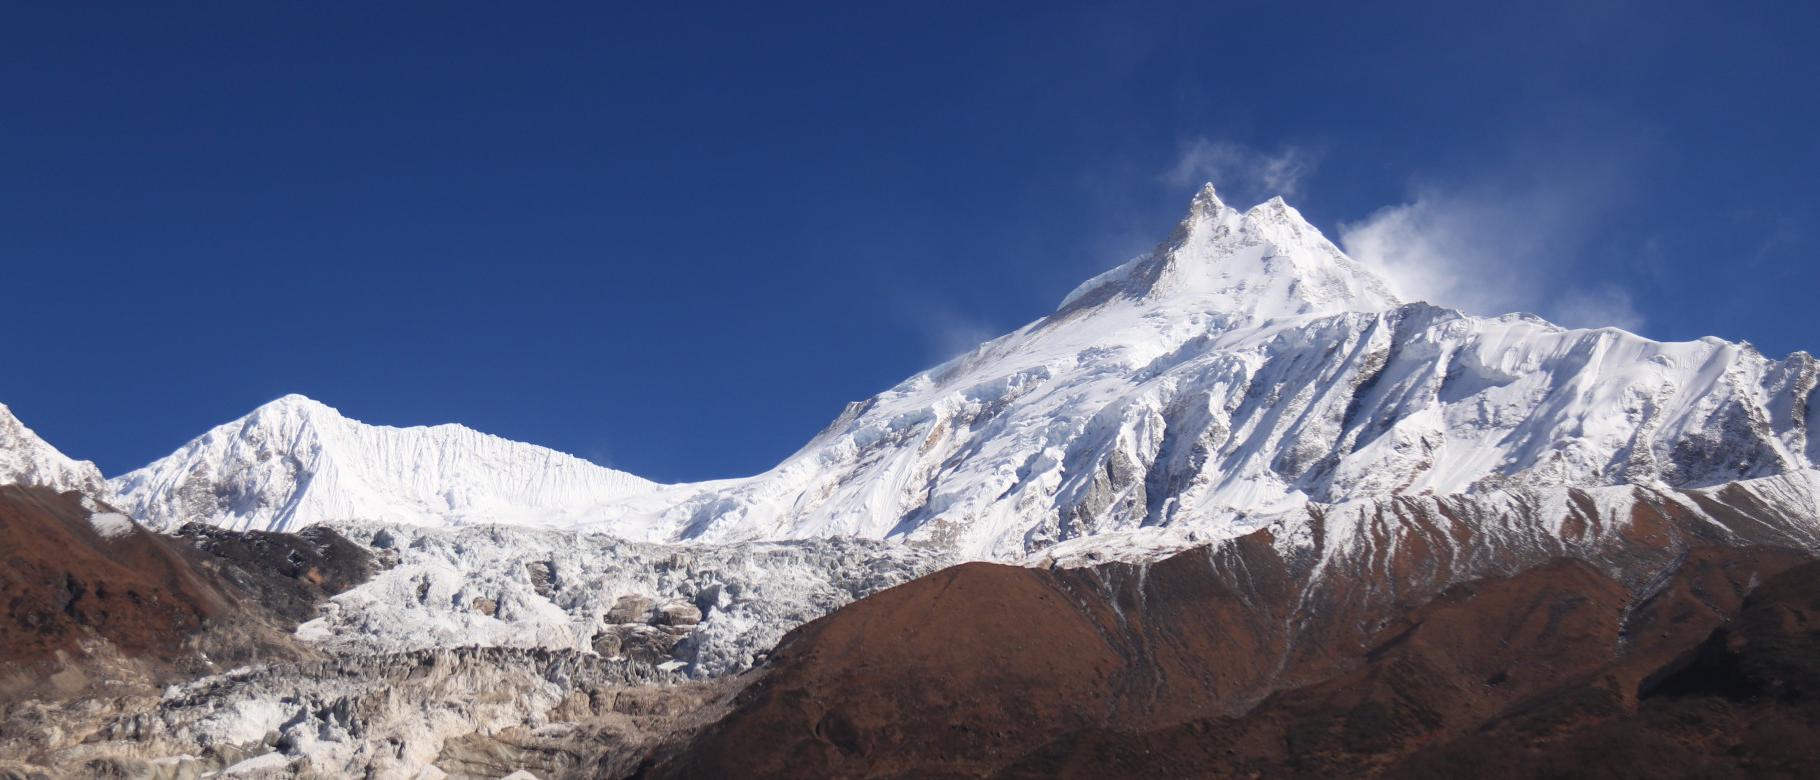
[[676, 240]]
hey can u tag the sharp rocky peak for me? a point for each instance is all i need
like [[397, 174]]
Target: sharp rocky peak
[[1262, 263]]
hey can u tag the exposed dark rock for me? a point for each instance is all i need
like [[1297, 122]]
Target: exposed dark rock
[[290, 573], [543, 577], [676, 613], [641, 643], [631, 608]]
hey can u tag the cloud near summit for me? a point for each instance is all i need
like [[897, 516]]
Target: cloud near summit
[[1492, 250], [1522, 233], [1252, 175]]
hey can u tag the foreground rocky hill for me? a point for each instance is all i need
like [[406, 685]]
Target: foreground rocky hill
[[1554, 673], [102, 614], [85, 585], [1255, 658]]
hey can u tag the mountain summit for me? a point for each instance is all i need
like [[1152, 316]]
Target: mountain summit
[[1265, 263], [1248, 373], [295, 461], [26, 459]]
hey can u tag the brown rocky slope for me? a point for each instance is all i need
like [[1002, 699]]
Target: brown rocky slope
[[1257, 658], [79, 592]]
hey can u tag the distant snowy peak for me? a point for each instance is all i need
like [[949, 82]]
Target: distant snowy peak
[[294, 462], [26, 459], [1264, 263]]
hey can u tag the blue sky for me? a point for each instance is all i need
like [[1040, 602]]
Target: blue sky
[[677, 239]]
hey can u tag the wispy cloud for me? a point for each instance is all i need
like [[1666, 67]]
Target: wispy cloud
[[1498, 247], [947, 331], [1446, 249], [1250, 174], [1603, 306]]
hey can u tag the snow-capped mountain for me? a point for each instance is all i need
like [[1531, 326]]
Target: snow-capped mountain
[[1245, 371], [26, 459], [1337, 456], [295, 462]]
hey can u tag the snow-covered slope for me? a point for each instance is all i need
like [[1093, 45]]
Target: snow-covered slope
[[26, 459], [1243, 372], [296, 462]]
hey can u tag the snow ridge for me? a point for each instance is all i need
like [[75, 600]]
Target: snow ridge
[[26, 459], [295, 462]]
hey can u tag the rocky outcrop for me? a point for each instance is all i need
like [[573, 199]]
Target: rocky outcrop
[[647, 632], [630, 608], [290, 573], [677, 613]]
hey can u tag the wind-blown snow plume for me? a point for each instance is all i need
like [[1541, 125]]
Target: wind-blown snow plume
[[1241, 169], [1492, 250]]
